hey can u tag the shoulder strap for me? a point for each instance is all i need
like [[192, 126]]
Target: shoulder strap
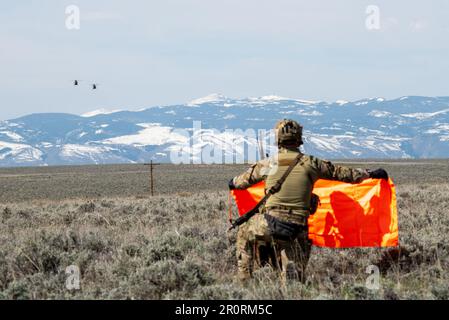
[[279, 183], [273, 189]]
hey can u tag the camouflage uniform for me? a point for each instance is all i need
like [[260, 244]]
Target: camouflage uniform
[[255, 245]]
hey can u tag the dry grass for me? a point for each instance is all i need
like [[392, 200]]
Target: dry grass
[[175, 245]]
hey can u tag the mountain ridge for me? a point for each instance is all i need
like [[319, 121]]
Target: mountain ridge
[[406, 127]]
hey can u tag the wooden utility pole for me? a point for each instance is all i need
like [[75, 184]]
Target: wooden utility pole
[[151, 164], [151, 178]]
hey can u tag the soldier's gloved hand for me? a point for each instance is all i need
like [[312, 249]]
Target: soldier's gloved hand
[[231, 184], [378, 174]]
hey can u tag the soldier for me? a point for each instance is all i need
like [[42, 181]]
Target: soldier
[[279, 233]]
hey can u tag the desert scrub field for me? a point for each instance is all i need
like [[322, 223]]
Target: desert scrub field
[[175, 245]]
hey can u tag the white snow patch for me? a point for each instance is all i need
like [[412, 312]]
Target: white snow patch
[[366, 130], [332, 128], [150, 135], [302, 101], [149, 124], [70, 150], [99, 111], [272, 98], [423, 115], [230, 143], [326, 143], [46, 144], [20, 152], [313, 113], [341, 145], [443, 127], [12, 135], [215, 97], [90, 152], [379, 114], [12, 124], [341, 102], [276, 99]]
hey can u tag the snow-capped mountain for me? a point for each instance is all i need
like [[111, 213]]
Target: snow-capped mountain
[[408, 127]]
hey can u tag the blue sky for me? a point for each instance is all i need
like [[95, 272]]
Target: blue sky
[[146, 53]]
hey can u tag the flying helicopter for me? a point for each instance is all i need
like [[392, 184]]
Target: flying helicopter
[[77, 82]]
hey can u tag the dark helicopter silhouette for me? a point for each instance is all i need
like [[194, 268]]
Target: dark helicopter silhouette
[[94, 86]]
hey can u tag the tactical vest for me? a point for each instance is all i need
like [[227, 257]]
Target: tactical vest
[[297, 189]]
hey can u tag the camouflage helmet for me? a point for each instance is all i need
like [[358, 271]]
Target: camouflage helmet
[[288, 133]]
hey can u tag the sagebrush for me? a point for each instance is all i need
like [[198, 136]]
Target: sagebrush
[[175, 245]]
